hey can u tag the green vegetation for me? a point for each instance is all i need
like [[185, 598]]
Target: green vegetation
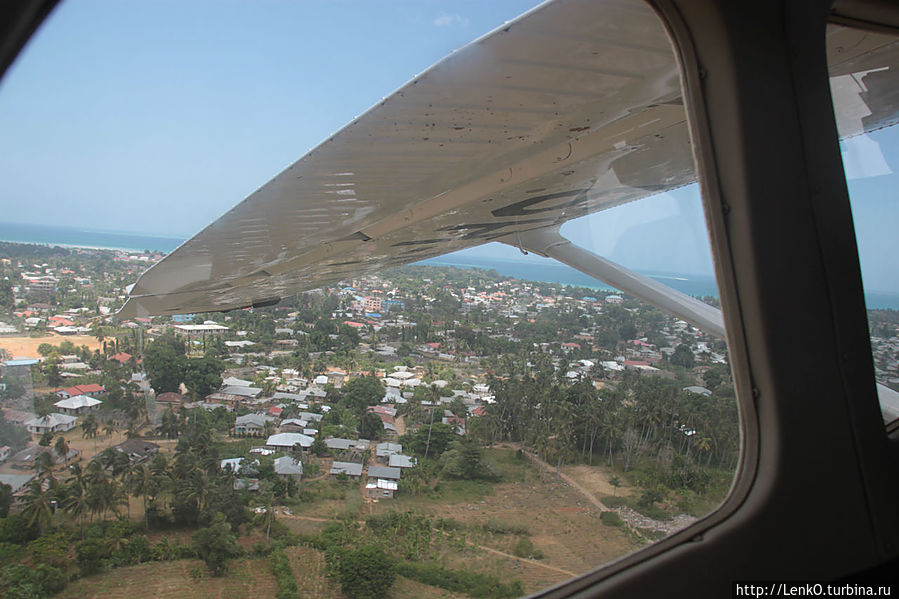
[[363, 573], [287, 584], [471, 583], [611, 519]]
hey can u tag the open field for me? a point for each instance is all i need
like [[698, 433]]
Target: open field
[[185, 579], [530, 502], [26, 347], [595, 480]]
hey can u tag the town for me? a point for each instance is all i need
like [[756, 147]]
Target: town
[[423, 429]]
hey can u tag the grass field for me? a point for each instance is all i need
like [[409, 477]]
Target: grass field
[[486, 525], [184, 579]]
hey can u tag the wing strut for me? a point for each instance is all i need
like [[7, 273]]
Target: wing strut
[[549, 242]]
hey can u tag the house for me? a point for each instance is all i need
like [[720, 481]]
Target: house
[[385, 472], [293, 425], [287, 467], [287, 441], [91, 390], [51, 423], [698, 390], [380, 489], [350, 468], [169, 399], [24, 460], [338, 444], [138, 450], [251, 424], [17, 482], [78, 404], [310, 416], [398, 460], [383, 451], [121, 357]]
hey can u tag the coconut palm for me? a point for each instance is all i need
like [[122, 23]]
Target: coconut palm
[[140, 482], [38, 504], [62, 448], [89, 429], [76, 502]]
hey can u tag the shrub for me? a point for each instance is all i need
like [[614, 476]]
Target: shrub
[[364, 573], [24, 582], [524, 547], [611, 519], [90, 555], [476, 584], [287, 584], [216, 544], [505, 528]]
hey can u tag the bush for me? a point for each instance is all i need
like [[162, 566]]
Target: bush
[[216, 544], [24, 582], [137, 550], [52, 549], [15, 529], [364, 573], [456, 581], [90, 555], [525, 548], [611, 519], [287, 584], [499, 527]]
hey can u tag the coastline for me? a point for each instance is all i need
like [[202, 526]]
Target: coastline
[[536, 270]]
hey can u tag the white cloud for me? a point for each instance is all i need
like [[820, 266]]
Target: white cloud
[[445, 20]]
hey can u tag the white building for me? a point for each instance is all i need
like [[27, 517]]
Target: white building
[[78, 404], [52, 423], [287, 441]]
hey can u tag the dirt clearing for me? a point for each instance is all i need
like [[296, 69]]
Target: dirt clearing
[[26, 347]]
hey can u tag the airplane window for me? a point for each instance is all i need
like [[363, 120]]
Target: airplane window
[[864, 86], [393, 365]]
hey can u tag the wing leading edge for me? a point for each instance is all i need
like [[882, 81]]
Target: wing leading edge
[[573, 108]]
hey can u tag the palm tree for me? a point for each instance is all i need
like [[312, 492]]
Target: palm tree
[[268, 515], [38, 504], [44, 465], [62, 448], [76, 502], [140, 483], [89, 429], [109, 428]]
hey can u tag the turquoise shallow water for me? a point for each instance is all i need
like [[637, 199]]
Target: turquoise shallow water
[[536, 269], [73, 236]]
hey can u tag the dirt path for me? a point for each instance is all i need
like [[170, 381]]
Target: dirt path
[[633, 519], [536, 459], [525, 560], [308, 518]]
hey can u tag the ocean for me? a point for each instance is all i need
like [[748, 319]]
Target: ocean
[[536, 269], [88, 238]]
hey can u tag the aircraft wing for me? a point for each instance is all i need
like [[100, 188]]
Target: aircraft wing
[[573, 108]]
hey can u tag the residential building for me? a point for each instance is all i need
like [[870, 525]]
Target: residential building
[[52, 423], [78, 404]]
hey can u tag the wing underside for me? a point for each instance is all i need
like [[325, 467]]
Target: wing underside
[[573, 108]]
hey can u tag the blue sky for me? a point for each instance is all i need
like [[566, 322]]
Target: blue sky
[[158, 116]]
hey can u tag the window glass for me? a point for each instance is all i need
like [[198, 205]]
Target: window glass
[[863, 85], [492, 421]]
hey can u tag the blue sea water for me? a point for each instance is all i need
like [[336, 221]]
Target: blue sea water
[[550, 271], [536, 269], [91, 238]]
